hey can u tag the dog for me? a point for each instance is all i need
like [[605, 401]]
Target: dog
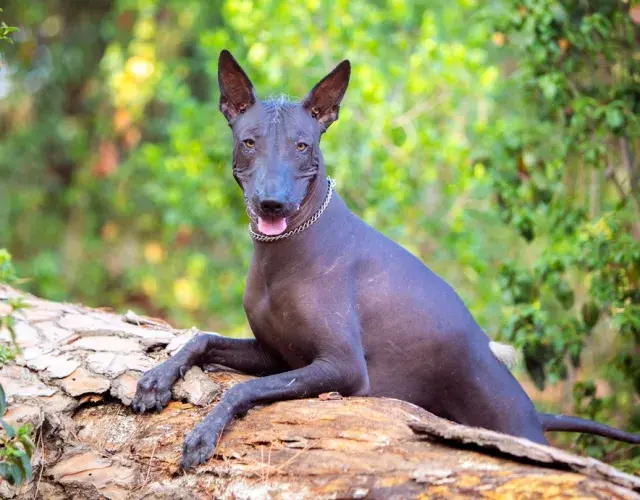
[[333, 304]]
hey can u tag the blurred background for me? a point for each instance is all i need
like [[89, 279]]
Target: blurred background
[[496, 140]]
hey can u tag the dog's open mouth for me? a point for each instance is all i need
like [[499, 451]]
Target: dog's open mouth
[[272, 227]]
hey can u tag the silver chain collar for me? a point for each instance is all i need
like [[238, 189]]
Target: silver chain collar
[[302, 227]]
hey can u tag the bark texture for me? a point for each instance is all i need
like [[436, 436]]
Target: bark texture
[[77, 373]]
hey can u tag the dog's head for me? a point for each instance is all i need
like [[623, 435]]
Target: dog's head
[[276, 153]]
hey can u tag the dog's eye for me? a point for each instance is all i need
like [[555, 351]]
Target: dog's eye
[[250, 143], [301, 146]]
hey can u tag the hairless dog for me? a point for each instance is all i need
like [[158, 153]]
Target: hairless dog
[[333, 304]]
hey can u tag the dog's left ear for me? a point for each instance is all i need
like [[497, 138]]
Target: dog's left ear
[[323, 101]]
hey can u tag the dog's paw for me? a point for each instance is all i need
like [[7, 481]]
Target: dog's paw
[[200, 443], [153, 390]]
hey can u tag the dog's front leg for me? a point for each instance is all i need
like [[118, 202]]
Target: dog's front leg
[[348, 377], [153, 390]]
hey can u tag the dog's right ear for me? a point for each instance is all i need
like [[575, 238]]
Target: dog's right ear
[[236, 90]]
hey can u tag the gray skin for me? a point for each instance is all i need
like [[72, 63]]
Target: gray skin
[[338, 307]]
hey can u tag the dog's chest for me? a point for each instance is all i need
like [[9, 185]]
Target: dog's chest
[[276, 321]]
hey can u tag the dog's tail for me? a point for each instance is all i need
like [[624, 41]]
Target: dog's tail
[[552, 422], [510, 357]]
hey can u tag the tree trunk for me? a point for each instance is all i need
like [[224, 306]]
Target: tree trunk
[[77, 374]]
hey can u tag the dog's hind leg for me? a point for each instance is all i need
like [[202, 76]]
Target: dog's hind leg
[[153, 390], [482, 392]]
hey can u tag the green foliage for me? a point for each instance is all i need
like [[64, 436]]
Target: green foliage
[[8, 275], [119, 188], [16, 449], [16, 446], [495, 140], [7, 271], [569, 182], [5, 31]]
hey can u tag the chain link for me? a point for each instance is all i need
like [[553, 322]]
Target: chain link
[[268, 239]]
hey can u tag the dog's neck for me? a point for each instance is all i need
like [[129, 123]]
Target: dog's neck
[[275, 260]]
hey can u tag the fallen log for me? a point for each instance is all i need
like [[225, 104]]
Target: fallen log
[[77, 373]]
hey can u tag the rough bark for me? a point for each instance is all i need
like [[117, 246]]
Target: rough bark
[[77, 374]]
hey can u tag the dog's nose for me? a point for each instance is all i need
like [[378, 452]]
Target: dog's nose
[[271, 206]]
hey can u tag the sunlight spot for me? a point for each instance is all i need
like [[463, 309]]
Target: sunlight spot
[[153, 252], [140, 68]]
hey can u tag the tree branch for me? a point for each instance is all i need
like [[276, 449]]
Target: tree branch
[[610, 174], [628, 160], [78, 373]]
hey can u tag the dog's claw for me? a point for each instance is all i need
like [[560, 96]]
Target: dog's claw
[[200, 443], [153, 390], [196, 449]]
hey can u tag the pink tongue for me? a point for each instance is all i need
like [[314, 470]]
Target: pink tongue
[[272, 228]]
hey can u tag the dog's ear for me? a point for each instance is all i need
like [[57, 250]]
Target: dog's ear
[[236, 90], [323, 101]]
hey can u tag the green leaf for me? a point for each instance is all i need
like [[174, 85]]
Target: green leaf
[[3, 402], [565, 294], [11, 432], [548, 87], [28, 444], [12, 472], [536, 369], [4, 471], [575, 350], [590, 313], [615, 118], [25, 464]]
